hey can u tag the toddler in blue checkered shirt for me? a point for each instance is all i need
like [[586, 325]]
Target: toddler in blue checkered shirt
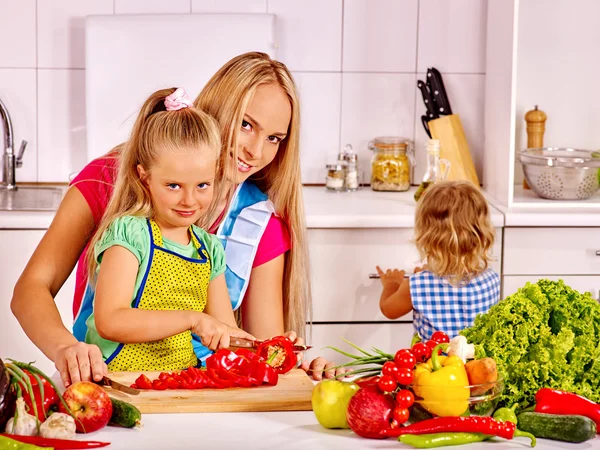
[[454, 235]]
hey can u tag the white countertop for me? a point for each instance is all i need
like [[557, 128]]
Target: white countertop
[[249, 431]]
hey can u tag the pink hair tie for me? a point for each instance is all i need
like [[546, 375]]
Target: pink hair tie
[[177, 100]]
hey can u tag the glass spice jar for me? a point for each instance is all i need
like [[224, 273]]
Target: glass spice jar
[[391, 164], [336, 175]]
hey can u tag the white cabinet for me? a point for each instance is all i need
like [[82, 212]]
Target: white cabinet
[[16, 247]]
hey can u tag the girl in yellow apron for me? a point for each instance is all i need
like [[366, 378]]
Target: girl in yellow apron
[[159, 277]]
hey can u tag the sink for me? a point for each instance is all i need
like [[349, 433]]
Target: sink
[[31, 198]]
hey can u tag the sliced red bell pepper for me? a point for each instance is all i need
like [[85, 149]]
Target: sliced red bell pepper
[[248, 354], [143, 382], [279, 353], [159, 385], [263, 372]]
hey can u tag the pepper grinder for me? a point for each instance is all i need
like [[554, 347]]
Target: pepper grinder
[[536, 125]]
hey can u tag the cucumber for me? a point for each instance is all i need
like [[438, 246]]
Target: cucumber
[[125, 414], [568, 428]]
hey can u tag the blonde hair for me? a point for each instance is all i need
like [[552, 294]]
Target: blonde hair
[[155, 128], [226, 97], [453, 230]]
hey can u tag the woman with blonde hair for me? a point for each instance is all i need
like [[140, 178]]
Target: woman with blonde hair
[[454, 235], [260, 220]]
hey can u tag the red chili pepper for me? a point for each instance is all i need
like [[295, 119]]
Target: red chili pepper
[[56, 443], [279, 353], [472, 424], [50, 396], [554, 401], [143, 382]]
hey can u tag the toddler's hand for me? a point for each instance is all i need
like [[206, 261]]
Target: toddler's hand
[[215, 334], [390, 276]]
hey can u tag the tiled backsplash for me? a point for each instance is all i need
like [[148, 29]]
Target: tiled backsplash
[[356, 63]]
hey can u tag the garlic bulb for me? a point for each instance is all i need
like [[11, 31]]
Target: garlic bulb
[[58, 426], [459, 347], [23, 423]]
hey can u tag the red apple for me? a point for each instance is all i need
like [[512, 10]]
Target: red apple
[[369, 412], [90, 405]]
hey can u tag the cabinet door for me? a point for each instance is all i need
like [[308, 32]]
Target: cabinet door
[[17, 247], [342, 259], [388, 337], [591, 284]]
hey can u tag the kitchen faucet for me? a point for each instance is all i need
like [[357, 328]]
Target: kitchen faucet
[[11, 162]]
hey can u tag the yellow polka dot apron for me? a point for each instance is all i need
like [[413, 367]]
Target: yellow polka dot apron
[[171, 283]]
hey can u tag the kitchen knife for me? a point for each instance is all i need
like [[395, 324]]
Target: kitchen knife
[[428, 100], [425, 122], [247, 343], [118, 386], [438, 92]]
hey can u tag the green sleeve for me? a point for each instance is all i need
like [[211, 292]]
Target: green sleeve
[[215, 250], [128, 232]]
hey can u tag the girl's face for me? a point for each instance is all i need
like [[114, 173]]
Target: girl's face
[[181, 185], [264, 126]]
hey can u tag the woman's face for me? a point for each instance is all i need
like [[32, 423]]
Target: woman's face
[[264, 126]]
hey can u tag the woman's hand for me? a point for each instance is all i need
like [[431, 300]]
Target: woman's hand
[[80, 362], [215, 334], [390, 276]]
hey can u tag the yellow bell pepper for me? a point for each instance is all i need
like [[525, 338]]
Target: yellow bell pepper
[[442, 383]]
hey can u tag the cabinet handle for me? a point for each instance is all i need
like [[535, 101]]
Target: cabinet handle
[[375, 276], [597, 252]]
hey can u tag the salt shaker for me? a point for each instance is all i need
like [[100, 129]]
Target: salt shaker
[[351, 159]]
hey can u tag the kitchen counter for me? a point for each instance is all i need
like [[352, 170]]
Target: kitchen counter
[[287, 430]]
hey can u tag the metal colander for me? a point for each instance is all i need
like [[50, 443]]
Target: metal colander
[[561, 173]]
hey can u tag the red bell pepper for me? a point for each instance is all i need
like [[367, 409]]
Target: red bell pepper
[[554, 401], [248, 354], [143, 382], [263, 372], [50, 396], [279, 353]]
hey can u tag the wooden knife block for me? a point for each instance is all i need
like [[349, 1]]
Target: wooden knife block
[[454, 147]]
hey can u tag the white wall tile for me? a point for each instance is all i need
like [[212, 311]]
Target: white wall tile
[[310, 33], [376, 105], [452, 35], [467, 98], [61, 123], [61, 30], [17, 33], [320, 97], [229, 6], [17, 92], [152, 6], [380, 35]]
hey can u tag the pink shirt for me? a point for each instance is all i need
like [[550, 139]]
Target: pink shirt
[[95, 182]]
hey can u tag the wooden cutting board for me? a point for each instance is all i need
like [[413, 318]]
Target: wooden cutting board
[[292, 393]]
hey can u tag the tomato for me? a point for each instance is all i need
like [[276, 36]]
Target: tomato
[[405, 358], [431, 345], [404, 376], [389, 368], [387, 383], [401, 415], [440, 337], [405, 398], [421, 352]]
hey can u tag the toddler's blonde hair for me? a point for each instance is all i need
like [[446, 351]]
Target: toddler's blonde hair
[[453, 230]]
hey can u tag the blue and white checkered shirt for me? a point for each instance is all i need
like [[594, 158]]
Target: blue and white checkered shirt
[[439, 306]]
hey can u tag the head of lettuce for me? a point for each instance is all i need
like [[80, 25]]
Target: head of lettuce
[[544, 335]]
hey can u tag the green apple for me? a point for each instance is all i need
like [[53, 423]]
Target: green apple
[[330, 400]]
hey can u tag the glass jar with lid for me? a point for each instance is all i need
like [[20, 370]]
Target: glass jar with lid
[[391, 163], [336, 177]]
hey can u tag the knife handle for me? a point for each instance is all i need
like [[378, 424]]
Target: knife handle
[[243, 343]]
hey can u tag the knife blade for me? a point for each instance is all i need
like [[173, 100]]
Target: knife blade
[[435, 83], [425, 122], [247, 343], [118, 386], [428, 100]]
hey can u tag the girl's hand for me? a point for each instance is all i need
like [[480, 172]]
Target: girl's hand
[[391, 276], [320, 367], [80, 362], [215, 334]]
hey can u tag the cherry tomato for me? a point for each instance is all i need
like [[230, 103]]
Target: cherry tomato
[[387, 383], [405, 358], [431, 345], [440, 337], [405, 398], [404, 376], [401, 415], [389, 368], [421, 352]]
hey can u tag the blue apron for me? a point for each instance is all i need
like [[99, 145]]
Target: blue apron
[[240, 233]]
